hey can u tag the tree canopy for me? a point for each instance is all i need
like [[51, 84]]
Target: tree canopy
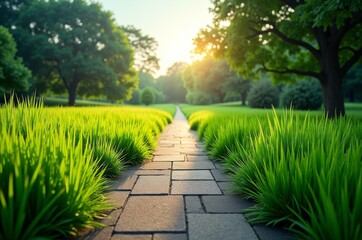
[[209, 80], [171, 84], [145, 47], [74, 46], [319, 39], [13, 74]]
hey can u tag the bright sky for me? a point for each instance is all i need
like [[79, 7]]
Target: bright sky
[[173, 23]]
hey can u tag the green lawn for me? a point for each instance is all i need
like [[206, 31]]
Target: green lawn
[[352, 109]]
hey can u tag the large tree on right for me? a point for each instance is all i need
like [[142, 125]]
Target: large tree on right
[[316, 38]]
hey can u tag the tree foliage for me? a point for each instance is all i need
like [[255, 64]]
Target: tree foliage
[[147, 96], [209, 80], [206, 77], [13, 74], [172, 84], [319, 39], [75, 46], [238, 86], [145, 47]]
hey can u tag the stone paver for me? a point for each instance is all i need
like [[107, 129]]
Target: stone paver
[[152, 214], [169, 158], [195, 187], [193, 165], [123, 183], [270, 233], [174, 236], [225, 204], [157, 165], [117, 198], [152, 185], [148, 172], [193, 158], [192, 175], [193, 204], [132, 237], [104, 233], [112, 218], [226, 187], [220, 176], [219, 226], [179, 194]]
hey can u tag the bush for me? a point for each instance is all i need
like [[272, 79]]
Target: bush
[[304, 95], [147, 96], [263, 95]]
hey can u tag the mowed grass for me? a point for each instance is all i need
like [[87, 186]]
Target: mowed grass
[[54, 164], [304, 172]]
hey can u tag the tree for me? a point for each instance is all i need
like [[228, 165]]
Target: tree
[[145, 48], [207, 76], [238, 85], [13, 74], [78, 44], [146, 80], [171, 84], [147, 96], [319, 39], [10, 10]]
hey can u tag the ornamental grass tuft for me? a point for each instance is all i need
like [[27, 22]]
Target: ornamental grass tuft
[[54, 164], [304, 172]]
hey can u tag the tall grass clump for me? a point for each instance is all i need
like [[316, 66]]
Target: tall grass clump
[[49, 187], [304, 172], [54, 164]]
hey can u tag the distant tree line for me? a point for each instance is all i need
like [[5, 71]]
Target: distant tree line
[[210, 81]]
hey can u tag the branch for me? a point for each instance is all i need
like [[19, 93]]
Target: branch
[[348, 49], [293, 71], [348, 26], [348, 64], [50, 71], [297, 42], [285, 38]]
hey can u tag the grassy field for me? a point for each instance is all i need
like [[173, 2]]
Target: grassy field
[[352, 109], [303, 172], [54, 163]]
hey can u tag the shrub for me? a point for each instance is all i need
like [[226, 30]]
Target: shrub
[[304, 95], [147, 96], [263, 95]]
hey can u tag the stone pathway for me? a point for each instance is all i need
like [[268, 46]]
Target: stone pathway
[[181, 194]]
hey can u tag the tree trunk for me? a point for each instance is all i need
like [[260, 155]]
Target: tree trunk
[[72, 94], [243, 99], [332, 78], [333, 99]]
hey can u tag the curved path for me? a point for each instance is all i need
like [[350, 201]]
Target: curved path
[[181, 194]]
